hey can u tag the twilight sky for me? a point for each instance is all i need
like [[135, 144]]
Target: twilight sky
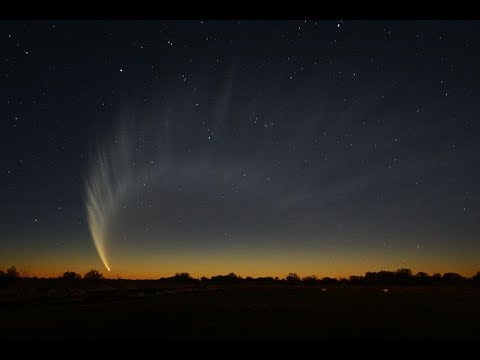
[[322, 147]]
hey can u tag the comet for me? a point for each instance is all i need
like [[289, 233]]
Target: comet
[[105, 188]]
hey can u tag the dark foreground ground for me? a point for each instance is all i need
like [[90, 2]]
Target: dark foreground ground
[[248, 312]]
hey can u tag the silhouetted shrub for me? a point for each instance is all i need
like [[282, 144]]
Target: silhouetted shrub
[[328, 280], [230, 278], [310, 279], [452, 278], [71, 275], [422, 275], [183, 277], [422, 278], [292, 278], [436, 278], [12, 273], [8, 277], [403, 276], [93, 275]]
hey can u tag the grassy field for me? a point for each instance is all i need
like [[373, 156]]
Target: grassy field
[[249, 311]]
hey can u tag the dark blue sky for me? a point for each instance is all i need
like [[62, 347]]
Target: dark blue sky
[[260, 147]]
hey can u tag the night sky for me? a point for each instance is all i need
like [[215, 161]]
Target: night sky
[[329, 147]]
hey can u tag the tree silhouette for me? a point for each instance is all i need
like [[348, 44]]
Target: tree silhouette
[[422, 278], [292, 277], [12, 273], [452, 278], [310, 279], [421, 275], [403, 276], [229, 278], [405, 272], [183, 277], [71, 275], [93, 275]]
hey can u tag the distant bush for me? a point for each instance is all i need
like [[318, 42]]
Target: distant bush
[[12, 273], [422, 278], [71, 275], [9, 276], [183, 277], [328, 280], [421, 275], [452, 278], [229, 278], [403, 276], [310, 279], [93, 275], [292, 277]]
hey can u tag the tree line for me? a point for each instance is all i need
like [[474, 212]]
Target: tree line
[[403, 276], [12, 274]]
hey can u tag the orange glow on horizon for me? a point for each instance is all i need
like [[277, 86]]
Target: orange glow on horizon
[[53, 272], [243, 262]]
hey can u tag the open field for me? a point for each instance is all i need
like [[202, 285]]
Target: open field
[[246, 311]]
